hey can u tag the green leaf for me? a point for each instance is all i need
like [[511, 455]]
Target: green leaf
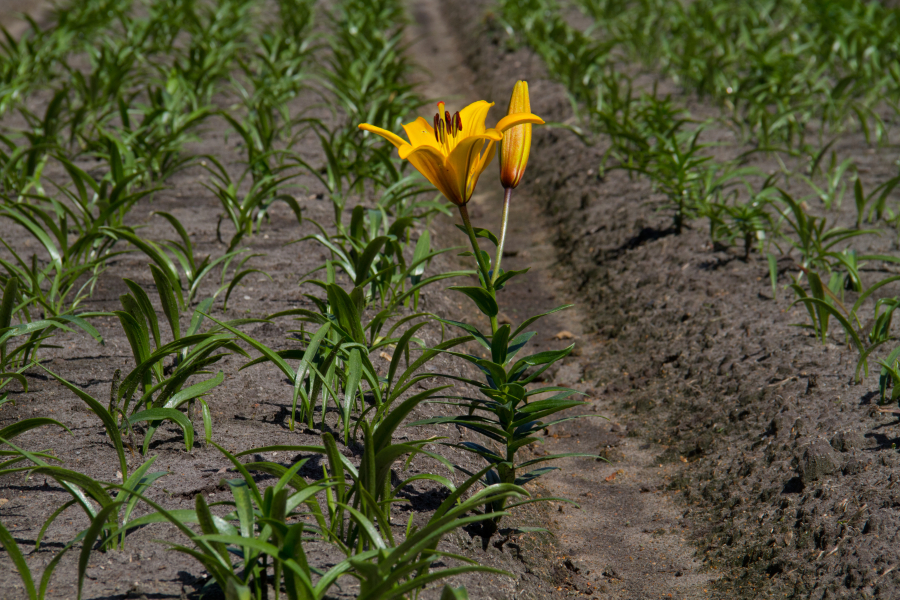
[[7, 304], [541, 358], [531, 320], [236, 280], [90, 486], [169, 414], [146, 307], [12, 549], [135, 327], [90, 536], [499, 345], [496, 372], [198, 389], [167, 298], [401, 348], [182, 233], [367, 257], [481, 297], [505, 276], [773, 274], [392, 419], [161, 260], [479, 337], [262, 348], [351, 388], [11, 431], [345, 310], [530, 476], [450, 593], [480, 232], [420, 254], [109, 423], [235, 590]]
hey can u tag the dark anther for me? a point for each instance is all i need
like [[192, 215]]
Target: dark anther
[[447, 125]]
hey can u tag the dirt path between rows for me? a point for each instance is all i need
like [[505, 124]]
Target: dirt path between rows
[[627, 539]]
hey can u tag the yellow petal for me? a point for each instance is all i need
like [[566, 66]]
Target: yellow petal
[[489, 154], [431, 163], [420, 133], [518, 119], [519, 101], [486, 157], [466, 158], [473, 117], [393, 138]]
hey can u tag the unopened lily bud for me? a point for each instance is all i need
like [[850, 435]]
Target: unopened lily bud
[[516, 144]]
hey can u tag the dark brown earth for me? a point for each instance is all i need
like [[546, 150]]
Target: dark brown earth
[[743, 462]]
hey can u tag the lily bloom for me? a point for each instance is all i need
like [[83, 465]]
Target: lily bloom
[[454, 150], [516, 144]]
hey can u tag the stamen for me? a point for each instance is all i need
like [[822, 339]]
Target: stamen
[[446, 125]]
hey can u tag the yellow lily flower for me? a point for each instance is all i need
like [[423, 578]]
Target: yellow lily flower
[[516, 143], [454, 151]]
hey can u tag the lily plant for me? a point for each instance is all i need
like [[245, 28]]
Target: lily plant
[[452, 152]]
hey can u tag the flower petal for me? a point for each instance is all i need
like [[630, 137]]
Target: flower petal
[[466, 158], [486, 157], [421, 133], [518, 119], [473, 117], [430, 162], [393, 138]]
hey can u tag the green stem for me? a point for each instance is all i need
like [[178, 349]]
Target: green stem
[[484, 268], [507, 194]]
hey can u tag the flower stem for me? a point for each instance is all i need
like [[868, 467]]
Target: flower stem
[[507, 194], [484, 268]]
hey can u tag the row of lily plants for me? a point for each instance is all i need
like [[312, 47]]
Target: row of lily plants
[[156, 74], [776, 82]]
